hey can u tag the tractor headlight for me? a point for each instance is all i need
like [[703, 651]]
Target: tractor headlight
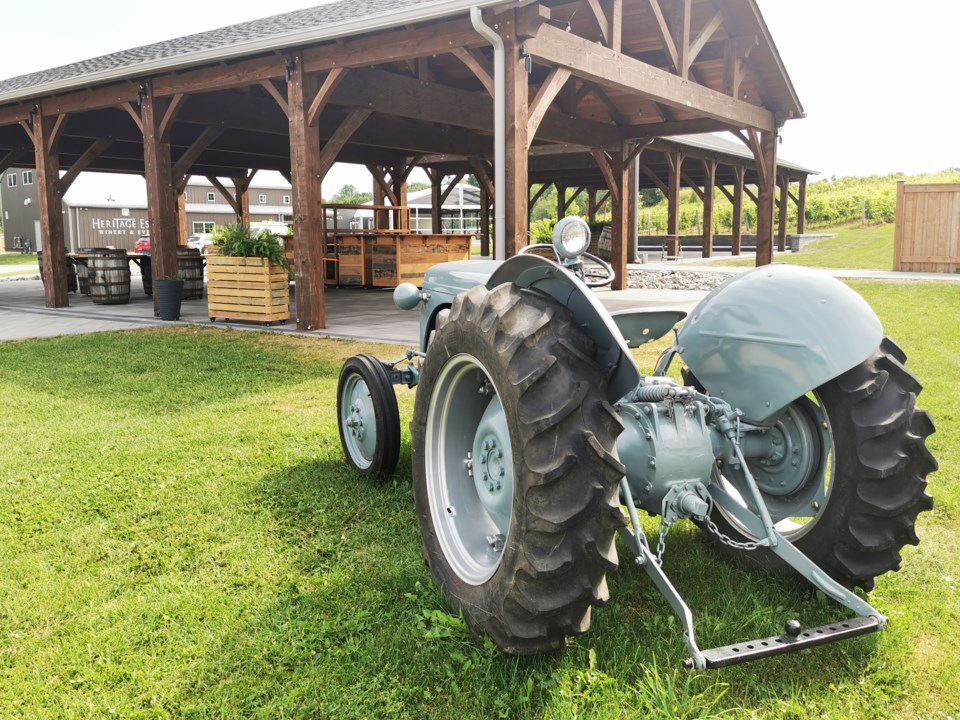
[[571, 236]]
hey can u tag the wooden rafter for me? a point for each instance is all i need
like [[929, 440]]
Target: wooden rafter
[[544, 97], [680, 29], [601, 17], [333, 146], [601, 65], [598, 92], [477, 65], [444, 194], [133, 113], [703, 37], [604, 162], [666, 37], [174, 106], [226, 194], [83, 162], [330, 83], [193, 153], [273, 92]]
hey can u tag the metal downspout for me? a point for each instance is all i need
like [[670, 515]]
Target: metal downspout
[[499, 134]]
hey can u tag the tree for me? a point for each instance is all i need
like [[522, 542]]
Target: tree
[[349, 195]]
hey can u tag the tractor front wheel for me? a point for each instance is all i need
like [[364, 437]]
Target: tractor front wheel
[[515, 468], [367, 416]]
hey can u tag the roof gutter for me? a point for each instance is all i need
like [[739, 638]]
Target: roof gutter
[[359, 26], [499, 133]]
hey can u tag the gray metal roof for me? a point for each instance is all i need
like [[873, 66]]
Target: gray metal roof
[[323, 22]]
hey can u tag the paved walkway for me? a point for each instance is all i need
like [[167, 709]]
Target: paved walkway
[[361, 314]]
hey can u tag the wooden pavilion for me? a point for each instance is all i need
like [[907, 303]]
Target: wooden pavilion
[[515, 93]]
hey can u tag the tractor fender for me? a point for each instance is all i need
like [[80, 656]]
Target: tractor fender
[[770, 335], [542, 275]]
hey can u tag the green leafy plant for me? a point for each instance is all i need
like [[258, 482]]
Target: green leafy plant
[[237, 240]]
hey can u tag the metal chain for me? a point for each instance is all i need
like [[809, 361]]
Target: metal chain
[[749, 545], [662, 538]]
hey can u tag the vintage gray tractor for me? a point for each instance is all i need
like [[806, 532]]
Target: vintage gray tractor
[[794, 440]]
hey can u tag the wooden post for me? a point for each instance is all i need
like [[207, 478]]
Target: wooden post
[[766, 156], [182, 230], [308, 213], [591, 205], [739, 172], [784, 183], [517, 101], [380, 220], [46, 131], [709, 184], [561, 200], [484, 221], [436, 204], [675, 163], [161, 200], [620, 216], [802, 206]]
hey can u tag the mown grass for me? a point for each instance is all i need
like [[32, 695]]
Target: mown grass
[[16, 258], [181, 539], [866, 247]]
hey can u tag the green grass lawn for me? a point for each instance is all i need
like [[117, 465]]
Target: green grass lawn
[[867, 247], [16, 258], [182, 539]]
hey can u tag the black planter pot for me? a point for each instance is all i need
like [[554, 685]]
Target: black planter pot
[[168, 294]]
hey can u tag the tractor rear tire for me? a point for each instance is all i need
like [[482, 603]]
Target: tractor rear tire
[[515, 469], [879, 468]]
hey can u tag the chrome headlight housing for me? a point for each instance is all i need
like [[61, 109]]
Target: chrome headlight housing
[[571, 237]]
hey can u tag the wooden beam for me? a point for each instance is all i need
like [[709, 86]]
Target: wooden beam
[[703, 37], [680, 29], [802, 206], [709, 182], [692, 185], [544, 97], [675, 163], [666, 37], [399, 96], [380, 179], [330, 83], [598, 64], [11, 158], [83, 162], [608, 170], [656, 179], [173, 107], [333, 146], [273, 92], [601, 17], [739, 171], [618, 117], [59, 122], [193, 153], [161, 201], [444, 194], [616, 26], [766, 193], [750, 194], [472, 60], [309, 235], [782, 211], [50, 203], [482, 173], [226, 195], [134, 115], [620, 216], [539, 193]]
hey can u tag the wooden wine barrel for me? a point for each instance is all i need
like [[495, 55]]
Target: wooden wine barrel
[[190, 265], [109, 274]]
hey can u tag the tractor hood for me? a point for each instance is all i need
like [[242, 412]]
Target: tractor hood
[[453, 278]]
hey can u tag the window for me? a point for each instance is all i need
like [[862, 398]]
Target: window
[[12, 180], [203, 228], [28, 177], [286, 199], [263, 199], [211, 197]]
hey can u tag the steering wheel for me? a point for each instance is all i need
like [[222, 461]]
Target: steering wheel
[[577, 267]]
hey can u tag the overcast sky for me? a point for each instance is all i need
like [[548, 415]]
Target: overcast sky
[[877, 78]]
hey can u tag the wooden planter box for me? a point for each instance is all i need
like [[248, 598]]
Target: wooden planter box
[[240, 288]]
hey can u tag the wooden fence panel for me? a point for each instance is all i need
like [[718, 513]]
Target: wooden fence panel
[[927, 237]]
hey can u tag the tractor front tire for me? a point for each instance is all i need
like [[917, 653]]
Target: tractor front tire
[[368, 417], [516, 477]]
